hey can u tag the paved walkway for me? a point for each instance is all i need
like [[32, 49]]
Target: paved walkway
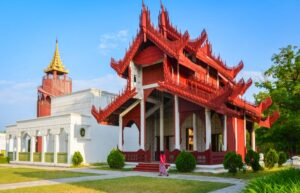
[[107, 174]]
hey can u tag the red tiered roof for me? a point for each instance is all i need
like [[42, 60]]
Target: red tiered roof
[[168, 43]]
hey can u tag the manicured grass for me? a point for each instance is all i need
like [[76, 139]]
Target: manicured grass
[[240, 175], [105, 166], [13, 175], [128, 185], [280, 182]]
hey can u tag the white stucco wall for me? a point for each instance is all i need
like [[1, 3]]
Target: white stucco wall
[[80, 102], [2, 141], [71, 113]]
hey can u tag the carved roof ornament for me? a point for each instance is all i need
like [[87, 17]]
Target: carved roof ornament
[[56, 63], [170, 45]]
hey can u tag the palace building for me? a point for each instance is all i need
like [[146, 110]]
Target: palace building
[[181, 97]]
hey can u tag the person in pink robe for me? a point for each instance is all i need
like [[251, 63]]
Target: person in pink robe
[[162, 164]]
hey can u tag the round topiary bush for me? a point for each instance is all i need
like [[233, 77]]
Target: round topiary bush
[[282, 157], [232, 162], [271, 158], [185, 162], [116, 159], [77, 158], [252, 159]]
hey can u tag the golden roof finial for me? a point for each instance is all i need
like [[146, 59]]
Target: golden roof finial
[[56, 63]]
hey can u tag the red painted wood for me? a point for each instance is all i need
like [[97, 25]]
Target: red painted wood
[[230, 134], [148, 56], [153, 74], [241, 137], [52, 85]]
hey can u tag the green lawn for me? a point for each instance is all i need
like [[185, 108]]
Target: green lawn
[[129, 185], [240, 175], [105, 166], [13, 175]]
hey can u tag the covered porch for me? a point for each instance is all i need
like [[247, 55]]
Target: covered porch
[[42, 141], [185, 126]]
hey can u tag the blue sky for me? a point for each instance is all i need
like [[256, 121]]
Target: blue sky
[[91, 32]]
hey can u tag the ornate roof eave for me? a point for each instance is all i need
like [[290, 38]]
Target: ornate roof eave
[[270, 120], [121, 65], [118, 101], [165, 86], [195, 47]]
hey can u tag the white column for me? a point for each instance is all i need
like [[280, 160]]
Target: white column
[[56, 147], [120, 133], [225, 134], [18, 147], [207, 128], [44, 147], [195, 132], [253, 139], [32, 147], [235, 134], [70, 143], [142, 124], [177, 126], [7, 146], [161, 126]]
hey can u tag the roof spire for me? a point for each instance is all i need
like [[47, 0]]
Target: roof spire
[[56, 63], [162, 6]]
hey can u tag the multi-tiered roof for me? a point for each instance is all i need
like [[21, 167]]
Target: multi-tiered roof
[[195, 55]]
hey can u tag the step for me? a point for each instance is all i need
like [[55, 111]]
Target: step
[[148, 167]]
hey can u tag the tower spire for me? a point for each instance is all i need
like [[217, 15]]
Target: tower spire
[[56, 63]]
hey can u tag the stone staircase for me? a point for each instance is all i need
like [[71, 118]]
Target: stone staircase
[[148, 167]]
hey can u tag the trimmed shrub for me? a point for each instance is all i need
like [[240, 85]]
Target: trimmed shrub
[[282, 157], [4, 160], [185, 162], [116, 159], [232, 162], [271, 158], [281, 182], [77, 158], [252, 159]]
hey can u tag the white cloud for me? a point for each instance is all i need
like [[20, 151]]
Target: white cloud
[[256, 76], [111, 41], [12, 92]]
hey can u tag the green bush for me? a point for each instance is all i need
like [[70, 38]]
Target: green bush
[[4, 160], [282, 157], [271, 158], [232, 162], [280, 182], [185, 162], [116, 159], [252, 159], [77, 158]]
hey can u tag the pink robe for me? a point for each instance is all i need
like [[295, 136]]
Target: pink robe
[[162, 165]]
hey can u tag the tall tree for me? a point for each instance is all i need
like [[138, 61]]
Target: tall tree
[[283, 85]]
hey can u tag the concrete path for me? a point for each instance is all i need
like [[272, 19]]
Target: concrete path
[[237, 186]]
